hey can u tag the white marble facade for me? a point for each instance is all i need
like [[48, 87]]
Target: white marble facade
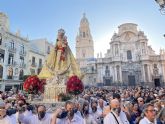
[[130, 60]]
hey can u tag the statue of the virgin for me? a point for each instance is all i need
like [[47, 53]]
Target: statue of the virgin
[[60, 61]]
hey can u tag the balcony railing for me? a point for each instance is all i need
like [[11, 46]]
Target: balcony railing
[[9, 77], [40, 66], [23, 53], [12, 49], [22, 65], [13, 63], [34, 64]]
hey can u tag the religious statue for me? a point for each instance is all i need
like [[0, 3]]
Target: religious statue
[[60, 61]]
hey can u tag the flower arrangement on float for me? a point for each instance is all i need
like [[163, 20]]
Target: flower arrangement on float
[[33, 85], [74, 85]]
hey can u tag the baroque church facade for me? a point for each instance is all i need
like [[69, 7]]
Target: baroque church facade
[[129, 61]]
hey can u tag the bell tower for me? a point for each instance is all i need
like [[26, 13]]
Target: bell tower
[[84, 43]]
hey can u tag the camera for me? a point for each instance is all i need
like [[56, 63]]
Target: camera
[[62, 115], [10, 111]]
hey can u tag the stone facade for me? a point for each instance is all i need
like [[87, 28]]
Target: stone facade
[[38, 51], [19, 56], [130, 60], [13, 55]]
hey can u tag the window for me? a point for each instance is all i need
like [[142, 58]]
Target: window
[[2, 57], [0, 38], [22, 59], [16, 71], [83, 34], [32, 71], [1, 71], [116, 49], [38, 71], [48, 50], [129, 55], [21, 75], [10, 58], [10, 73], [22, 49], [12, 45], [40, 62], [33, 60], [107, 71], [83, 53]]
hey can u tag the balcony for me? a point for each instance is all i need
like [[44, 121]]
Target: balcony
[[9, 77], [22, 53], [22, 65], [12, 63], [34, 64], [12, 49], [40, 66]]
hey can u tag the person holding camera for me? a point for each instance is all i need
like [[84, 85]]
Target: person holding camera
[[67, 115]]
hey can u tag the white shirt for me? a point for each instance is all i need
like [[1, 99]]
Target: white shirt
[[146, 121], [97, 116], [45, 120], [89, 120], [110, 119], [123, 117], [6, 120], [13, 119], [76, 120]]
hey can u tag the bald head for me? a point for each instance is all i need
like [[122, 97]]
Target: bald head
[[115, 103]]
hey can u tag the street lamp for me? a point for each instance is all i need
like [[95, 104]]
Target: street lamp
[[162, 6]]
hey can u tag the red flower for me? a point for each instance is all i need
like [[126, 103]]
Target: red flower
[[74, 85], [34, 85]]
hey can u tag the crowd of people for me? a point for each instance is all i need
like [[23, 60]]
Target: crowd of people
[[95, 105]]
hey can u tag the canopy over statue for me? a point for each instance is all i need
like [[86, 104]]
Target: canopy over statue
[[60, 61]]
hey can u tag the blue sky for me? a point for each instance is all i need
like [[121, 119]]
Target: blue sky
[[42, 19]]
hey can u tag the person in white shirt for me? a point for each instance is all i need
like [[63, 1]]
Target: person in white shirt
[[113, 117], [4, 119], [95, 113], [41, 118], [70, 118], [101, 105], [88, 118], [149, 115]]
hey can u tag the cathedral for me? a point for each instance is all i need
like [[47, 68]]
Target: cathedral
[[129, 61]]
